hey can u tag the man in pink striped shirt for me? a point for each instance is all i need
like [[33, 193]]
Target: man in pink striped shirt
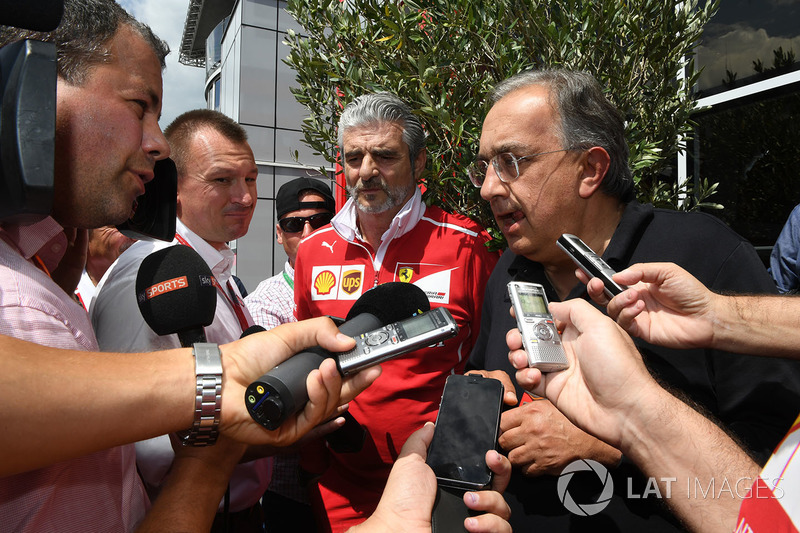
[[107, 142]]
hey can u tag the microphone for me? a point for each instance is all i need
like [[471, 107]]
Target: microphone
[[255, 328], [176, 293], [39, 15], [281, 392]]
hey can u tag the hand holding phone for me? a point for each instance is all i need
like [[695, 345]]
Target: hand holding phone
[[467, 427], [540, 337]]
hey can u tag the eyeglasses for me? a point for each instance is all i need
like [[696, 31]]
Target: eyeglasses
[[296, 224], [506, 166]]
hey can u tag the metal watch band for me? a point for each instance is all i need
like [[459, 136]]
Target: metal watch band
[[208, 368]]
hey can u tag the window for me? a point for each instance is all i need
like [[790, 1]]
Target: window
[[748, 139]]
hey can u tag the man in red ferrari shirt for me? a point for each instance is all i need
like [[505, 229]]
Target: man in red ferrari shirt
[[386, 233]]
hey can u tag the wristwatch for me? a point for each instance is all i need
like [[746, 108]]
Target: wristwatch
[[208, 369]]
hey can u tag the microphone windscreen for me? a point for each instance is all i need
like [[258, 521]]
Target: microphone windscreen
[[175, 290], [391, 302], [255, 328], [35, 15]]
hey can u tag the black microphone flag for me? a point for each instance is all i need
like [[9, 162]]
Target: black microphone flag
[[176, 293]]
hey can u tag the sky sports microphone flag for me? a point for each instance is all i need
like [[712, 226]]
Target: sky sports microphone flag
[[176, 293]]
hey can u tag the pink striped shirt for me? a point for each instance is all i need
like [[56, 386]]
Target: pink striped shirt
[[97, 492]]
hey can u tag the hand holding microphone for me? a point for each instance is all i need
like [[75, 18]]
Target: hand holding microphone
[[282, 391], [176, 295]]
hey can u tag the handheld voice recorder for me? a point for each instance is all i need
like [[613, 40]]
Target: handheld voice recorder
[[273, 397], [590, 263], [539, 334], [398, 338]]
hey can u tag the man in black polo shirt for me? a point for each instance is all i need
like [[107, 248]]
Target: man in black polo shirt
[[553, 159]]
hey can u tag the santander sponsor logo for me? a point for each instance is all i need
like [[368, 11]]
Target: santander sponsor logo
[[166, 286]]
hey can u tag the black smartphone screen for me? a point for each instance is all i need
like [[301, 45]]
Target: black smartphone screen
[[467, 427]]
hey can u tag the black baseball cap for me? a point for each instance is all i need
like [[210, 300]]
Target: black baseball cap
[[288, 197]]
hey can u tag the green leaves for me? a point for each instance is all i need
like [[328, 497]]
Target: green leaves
[[443, 57]]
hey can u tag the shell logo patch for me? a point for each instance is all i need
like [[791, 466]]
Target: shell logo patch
[[337, 282], [405, 274], [324, 282]]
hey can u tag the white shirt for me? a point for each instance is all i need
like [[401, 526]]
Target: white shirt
[[85, 290], [120, 328]]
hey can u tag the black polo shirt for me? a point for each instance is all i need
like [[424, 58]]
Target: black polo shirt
[[756, 398]]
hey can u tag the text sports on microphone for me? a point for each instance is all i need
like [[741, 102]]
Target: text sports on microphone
[[176, 293], [381, 332]]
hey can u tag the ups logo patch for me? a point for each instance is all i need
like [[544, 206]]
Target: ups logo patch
[[351, 281]]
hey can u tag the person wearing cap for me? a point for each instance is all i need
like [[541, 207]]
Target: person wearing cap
[[216, 199], [302, 206]]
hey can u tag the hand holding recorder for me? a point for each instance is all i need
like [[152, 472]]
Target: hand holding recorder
[[591, 264], [381, 332], [606, 380], [255, 354]]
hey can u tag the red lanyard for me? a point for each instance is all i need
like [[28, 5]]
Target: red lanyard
[[233, 299], [40, 265]]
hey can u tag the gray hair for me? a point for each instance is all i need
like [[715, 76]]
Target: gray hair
[[588, 119], [384, 107], [83, 36]]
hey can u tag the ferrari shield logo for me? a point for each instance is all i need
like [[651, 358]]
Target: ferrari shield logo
[[405, 274]]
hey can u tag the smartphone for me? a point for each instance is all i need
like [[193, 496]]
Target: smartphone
[[540, 337], [467, 426], [395, 339], [590, 263]]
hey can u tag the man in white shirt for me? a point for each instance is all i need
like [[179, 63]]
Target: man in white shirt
[[216, 198], [106, 244]]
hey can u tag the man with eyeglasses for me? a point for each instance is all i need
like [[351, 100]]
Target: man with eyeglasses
[[553, 159], [217, 195], [386, 233]]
